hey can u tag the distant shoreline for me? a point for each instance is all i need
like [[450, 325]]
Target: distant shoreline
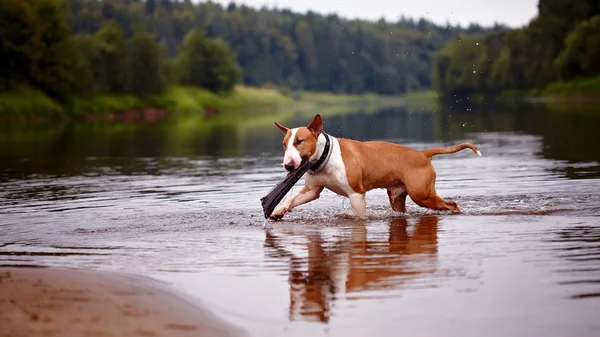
[[28, 105], [43, 301]]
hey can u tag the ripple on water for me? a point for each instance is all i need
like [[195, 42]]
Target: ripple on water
[[578, 246], [526, 243]]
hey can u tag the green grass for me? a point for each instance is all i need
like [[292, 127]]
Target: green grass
[[588, 87], [335, 104], [247, 103], [26, 102], [180, 99], [103, 103]]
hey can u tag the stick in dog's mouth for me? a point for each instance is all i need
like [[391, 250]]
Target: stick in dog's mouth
[[272, 199]]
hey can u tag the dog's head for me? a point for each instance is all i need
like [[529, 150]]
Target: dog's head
[[300, 144]]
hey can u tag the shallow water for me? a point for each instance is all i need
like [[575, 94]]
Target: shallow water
[[164, 201]]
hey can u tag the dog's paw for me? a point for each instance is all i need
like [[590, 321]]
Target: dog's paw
[[277, 214]]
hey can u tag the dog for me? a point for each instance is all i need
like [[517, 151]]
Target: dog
[[351, 168]]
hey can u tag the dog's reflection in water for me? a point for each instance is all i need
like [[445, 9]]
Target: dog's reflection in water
[[355, 263]]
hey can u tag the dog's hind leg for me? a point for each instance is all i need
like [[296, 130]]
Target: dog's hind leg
[[421, 189], [397, 196], [434, 202]]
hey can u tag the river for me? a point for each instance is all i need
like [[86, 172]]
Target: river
[[179, 202]]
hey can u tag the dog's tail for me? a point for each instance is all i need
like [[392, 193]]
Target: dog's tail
[[452, 149]]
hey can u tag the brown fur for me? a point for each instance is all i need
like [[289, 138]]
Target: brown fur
[[306, 138], [401, 170], [447, 150], [377, 164]]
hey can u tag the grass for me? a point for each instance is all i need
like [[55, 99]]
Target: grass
[[325, 98], [335, 104], [578, 88], [23, 103], [246, 109], [26, 102], [251, 104], [180, 99], [103, 103]]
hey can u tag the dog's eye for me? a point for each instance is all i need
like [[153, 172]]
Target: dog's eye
[[299, 141]]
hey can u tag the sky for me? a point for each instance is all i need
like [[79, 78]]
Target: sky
[[513, 13]]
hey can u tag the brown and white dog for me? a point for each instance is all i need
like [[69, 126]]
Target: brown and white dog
[[350, 168]]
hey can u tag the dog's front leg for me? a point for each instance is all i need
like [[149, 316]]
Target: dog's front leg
[[306, 194], [359, 204]]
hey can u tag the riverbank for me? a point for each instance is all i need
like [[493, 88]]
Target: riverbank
[[581, 91], [43, 302], [26, 104]]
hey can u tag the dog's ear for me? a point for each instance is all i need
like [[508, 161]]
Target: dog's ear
[[282, 128], [316, 126]]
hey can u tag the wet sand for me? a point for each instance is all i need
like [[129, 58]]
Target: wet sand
[[61, 302]]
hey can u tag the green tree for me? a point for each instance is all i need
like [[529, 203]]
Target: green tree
[[53, 72], [581, 55], [500, 77], [207, 63], [20, 32], [440, 68], [112, 61], [147, 67], [37, 48], [190, 62], [493, 47], [562, 40], [88, 75], [300, 51], [224, 72], [457, 67], [306, 46]]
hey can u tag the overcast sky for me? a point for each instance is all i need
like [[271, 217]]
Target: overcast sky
[[485, 12]]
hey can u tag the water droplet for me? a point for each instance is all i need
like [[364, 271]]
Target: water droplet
[[477, 44]]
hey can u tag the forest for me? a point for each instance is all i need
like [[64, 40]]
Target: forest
[[559, 48], [82, 48]]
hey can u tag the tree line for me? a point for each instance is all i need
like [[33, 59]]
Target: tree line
[[297, 51], [86, 47], [562, 43], [39, 50]]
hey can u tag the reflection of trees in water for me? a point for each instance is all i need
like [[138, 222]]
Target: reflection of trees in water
[[392, 123], [567, 134], [355, 263], [120, 147]]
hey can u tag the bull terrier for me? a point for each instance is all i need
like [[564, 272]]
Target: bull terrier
[[350, 168]]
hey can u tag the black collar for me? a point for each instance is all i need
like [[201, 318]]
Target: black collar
[[324, 155]]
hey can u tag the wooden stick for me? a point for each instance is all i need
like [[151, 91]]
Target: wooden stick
[[272, 199]]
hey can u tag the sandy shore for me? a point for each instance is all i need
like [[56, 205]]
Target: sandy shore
[[57, 302]]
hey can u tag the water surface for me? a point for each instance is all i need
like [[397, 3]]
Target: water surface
[[180, 203]]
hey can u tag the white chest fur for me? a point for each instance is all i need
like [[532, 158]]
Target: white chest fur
[[333, 175]]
